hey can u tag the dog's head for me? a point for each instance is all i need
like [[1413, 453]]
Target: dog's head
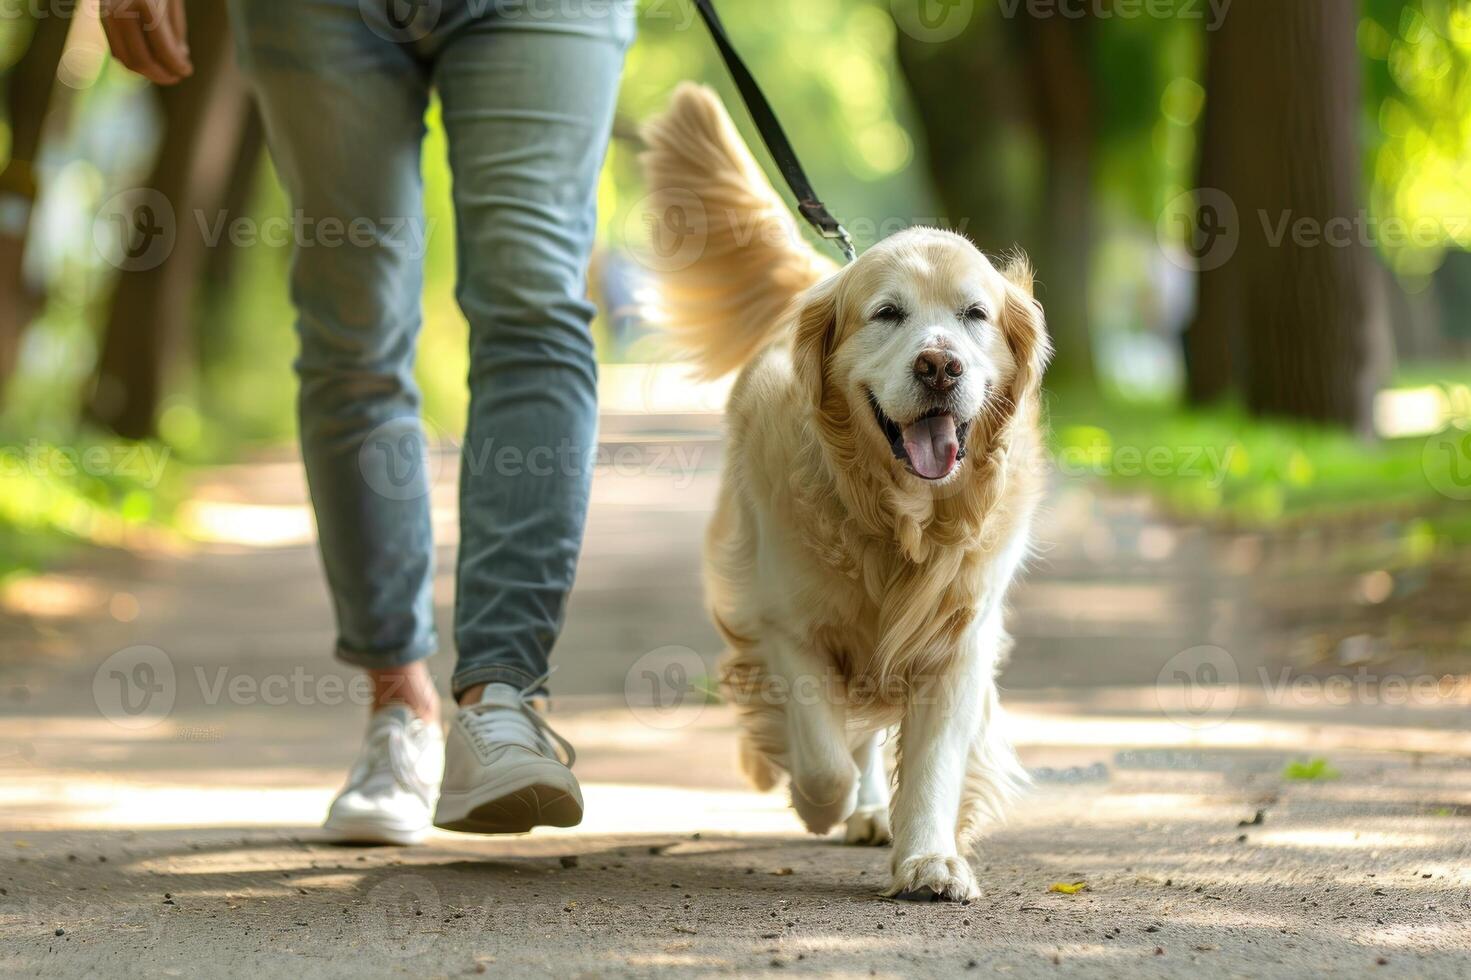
[[921, 350]]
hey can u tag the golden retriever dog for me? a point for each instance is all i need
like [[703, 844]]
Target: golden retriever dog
[[882, 472]]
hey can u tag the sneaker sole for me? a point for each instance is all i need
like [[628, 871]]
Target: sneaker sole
[[365, 831], [510, 811]]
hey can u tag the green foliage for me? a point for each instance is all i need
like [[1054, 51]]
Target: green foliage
[[1313, 770], [1418, 54], [94, 490], [1220, 464]]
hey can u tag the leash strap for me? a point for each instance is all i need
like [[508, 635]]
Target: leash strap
[[776, 141]]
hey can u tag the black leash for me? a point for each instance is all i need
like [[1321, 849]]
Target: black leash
[[775, 139]]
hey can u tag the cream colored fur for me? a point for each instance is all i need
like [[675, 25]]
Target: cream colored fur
[[855, 596]]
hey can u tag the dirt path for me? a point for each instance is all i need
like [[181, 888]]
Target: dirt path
[[174, 729]]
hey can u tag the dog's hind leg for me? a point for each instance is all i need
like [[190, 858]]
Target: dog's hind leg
[[869, 823]]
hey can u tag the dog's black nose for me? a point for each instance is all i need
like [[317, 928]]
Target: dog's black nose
[[938, 369]]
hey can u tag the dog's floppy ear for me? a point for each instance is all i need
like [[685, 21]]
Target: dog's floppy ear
[[816, 332], [1025, 329]]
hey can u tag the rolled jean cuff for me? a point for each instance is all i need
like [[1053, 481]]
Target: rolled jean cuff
[[468, 677], [384, 659]]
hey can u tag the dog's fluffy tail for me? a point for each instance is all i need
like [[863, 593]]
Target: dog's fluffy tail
[[739, 260]]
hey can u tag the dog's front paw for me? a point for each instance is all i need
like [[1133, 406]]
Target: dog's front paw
[[934, 878], [868, 826]]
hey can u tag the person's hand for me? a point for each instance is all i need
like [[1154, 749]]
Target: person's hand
[[150, 37]]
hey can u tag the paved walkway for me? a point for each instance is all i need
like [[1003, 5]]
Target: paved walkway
[[174, 729]]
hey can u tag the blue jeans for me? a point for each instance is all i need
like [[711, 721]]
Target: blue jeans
[[527, 89]]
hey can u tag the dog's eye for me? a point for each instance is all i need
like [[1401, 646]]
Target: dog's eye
[[888, 313], [975, 313]]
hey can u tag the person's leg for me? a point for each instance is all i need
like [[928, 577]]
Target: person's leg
[[528, 100], [344, 110], [528, 97]]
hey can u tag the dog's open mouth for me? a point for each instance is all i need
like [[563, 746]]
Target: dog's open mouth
[[932, 446]]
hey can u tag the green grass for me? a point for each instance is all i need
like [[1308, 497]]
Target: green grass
[[1220, 464], [1313, 770], [55, 496]]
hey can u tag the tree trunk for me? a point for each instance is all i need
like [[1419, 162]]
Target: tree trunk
[[1213, 341], [1314, 340], [1060, 68], [250, 150], [147, 326], [27, 96]]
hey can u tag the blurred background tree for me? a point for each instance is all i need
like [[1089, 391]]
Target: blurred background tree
[[1292, 320]]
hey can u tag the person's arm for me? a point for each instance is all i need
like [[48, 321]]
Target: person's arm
[[150, 37]]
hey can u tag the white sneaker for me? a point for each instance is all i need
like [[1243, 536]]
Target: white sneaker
[[503, 773], [390, 791]]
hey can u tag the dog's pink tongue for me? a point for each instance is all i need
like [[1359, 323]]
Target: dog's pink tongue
[[932, 446]]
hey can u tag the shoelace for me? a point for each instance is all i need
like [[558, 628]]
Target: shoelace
[[510, 719], [388, 756]]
